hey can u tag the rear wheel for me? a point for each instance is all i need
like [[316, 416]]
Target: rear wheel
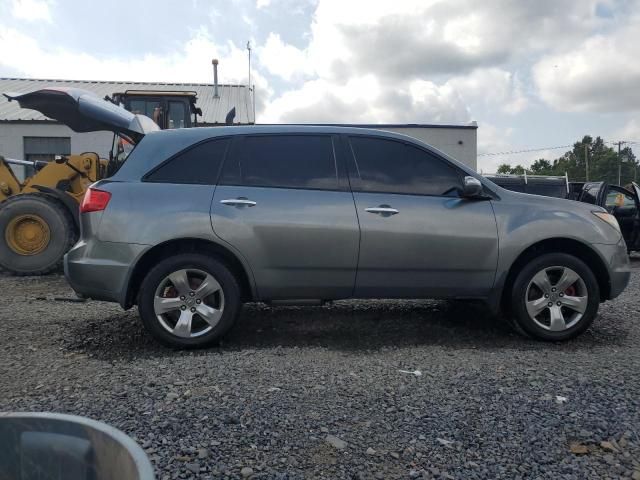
[[555, 297], [36, 231], [189, 301]]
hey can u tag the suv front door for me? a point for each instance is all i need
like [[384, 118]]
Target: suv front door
[[284, 204], [418, 237]]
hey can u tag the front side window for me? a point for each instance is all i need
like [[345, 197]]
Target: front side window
[[199, 165], [287, 161], [619, 199], [395, 167]]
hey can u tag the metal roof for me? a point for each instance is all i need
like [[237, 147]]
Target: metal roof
[[214, 110]]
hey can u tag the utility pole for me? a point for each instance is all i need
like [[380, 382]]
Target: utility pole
[[620, 143], [586, 161]]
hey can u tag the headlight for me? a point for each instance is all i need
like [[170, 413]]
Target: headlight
[[610, 219]]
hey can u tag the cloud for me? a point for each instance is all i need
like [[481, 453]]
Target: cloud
[[283, 60], [190, 63], [367, 100], [262, 3], [32, 10], [491, 87], [462, 49], [601, 74]]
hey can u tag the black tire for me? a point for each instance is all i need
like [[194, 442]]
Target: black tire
[[518, 308], [62, 234], [226, 280]]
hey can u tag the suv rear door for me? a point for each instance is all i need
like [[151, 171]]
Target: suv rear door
[[418, 237], [594, 193], [284, 204]]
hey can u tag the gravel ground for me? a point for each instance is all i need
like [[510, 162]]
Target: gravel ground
[[318, 392]]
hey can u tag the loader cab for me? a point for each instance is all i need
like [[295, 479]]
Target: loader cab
[[168, 109]]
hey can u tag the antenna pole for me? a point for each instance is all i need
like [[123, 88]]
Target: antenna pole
[[249, 50], [251, 90]]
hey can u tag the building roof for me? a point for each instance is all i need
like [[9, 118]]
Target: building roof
[[214, 110], [473, 125]]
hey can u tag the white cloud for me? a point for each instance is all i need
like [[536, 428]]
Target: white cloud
[[601, 74], [32, 10], [191, 63], [262, 3], [629, 132], [283, 60], [366, 100], [491, 87]]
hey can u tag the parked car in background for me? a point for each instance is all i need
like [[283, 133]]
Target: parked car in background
[[622, 203], [549, 186]]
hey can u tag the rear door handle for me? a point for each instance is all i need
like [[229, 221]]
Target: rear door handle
[[238, 202], [382, 210]]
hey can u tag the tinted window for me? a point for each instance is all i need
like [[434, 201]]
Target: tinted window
[[291, 161], [394, 167], [199, 164], [590, 194]]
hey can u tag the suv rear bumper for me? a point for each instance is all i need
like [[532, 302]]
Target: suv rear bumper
[[100, 270]]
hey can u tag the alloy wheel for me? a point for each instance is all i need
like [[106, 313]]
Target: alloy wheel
[[189, 303], [556, 298]]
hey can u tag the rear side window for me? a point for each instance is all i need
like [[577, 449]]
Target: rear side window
[[199, 164], [394, 167], [287, 161]]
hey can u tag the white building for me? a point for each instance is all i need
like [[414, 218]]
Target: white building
[[27, 134]]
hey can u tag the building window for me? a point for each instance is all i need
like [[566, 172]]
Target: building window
[[45, 149]]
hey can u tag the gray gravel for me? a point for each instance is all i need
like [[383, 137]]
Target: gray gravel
[[317, 392]]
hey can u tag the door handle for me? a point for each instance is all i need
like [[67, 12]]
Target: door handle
[[382, 210], [238, 202]]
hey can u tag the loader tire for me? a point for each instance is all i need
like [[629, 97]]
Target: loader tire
[[36, 230]]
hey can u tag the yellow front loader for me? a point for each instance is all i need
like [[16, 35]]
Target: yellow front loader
[[39, 217]]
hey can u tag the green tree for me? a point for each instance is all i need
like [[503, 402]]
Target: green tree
[[541, 166], [504, 169]]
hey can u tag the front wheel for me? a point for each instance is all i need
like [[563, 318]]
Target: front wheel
[[189, 301], [555, 297]]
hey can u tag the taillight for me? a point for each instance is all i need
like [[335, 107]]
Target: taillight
[[95, 200]]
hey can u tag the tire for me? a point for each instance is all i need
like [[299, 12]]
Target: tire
[[572, 290], [167, 327], [50, 219]]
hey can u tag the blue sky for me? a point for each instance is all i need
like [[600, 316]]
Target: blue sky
[[532, 74]]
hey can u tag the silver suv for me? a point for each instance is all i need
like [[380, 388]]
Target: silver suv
[[194, 222], [198, 221]]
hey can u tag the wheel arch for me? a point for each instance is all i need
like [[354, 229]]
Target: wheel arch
[[188, 245], [569, 246]]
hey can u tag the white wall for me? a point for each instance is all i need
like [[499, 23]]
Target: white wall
[[12, 140], [459, 143]]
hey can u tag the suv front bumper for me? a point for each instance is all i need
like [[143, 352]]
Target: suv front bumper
[[618, 265]]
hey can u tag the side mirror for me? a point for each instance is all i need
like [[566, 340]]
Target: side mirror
[[472, 188]]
